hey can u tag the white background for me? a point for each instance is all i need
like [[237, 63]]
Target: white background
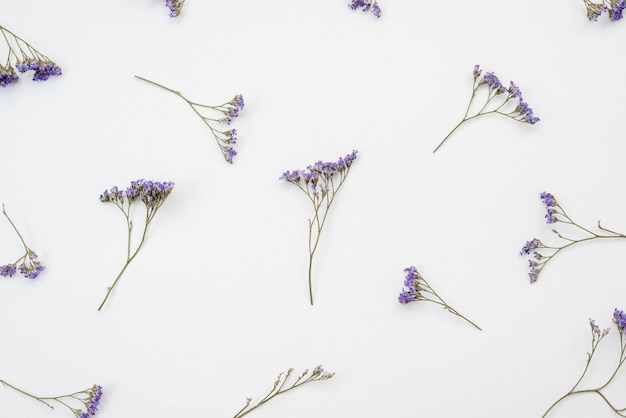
[[216, 303]]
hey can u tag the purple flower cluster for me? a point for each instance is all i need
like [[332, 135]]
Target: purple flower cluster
[[530, 246], [366, 5], [229, 138], [551, 204], [620, 319], [7, 76], [95, 393], [597, 332], [151, 193], [25, 58], [615, 9], [325, 170], [522, 112], [175, 6], [31, 268], [411, 282], [43, 69], [233, 107]]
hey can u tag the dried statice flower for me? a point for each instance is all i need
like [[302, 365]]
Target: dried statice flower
[[280, 387], [615, 9], [505, 101], [366, 5], [597, 335], [28, 264], [152, 194], [24, 57], [417, 289], [213, 116], [83, 404], [542, 254], [320, 182], [175, 6]]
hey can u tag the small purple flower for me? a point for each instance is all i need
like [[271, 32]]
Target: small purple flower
[[405, 297], [550, 203], [620, 319], [533, 274], [616, 11], [514, 91], [366, 5], [28, 65], [34, 273], [49, 69], [7, 76], [531, 245], [8, 270], [493, 82], [230, 154], [598, 333]]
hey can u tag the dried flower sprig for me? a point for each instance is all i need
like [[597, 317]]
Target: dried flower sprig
[[556, 213], [27, 264], [615, 9], [366, 5], [175, 6], [227, 112], [24, 57], [320, 182], [597, 335], [88, 399], [280, 388], [417, 288], [152, 194], [499, 100]]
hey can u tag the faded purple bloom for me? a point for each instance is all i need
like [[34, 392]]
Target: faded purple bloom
[[594, 10], [8, 270], [598, 333], [175, 6], [366, 5], [534, 273]]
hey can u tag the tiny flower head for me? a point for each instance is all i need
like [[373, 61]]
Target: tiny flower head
[[551, 204], [8, 270], [230, 154], [617, 9], [7, 76], [597, 332], [46, 70], [531, 245], [477, 72], [620, 319]]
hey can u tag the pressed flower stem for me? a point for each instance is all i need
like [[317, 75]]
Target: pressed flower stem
[[27, 394], [4, 212], [129, 257], [216, 133], [597, 391], [440, 301], [329, 197]]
